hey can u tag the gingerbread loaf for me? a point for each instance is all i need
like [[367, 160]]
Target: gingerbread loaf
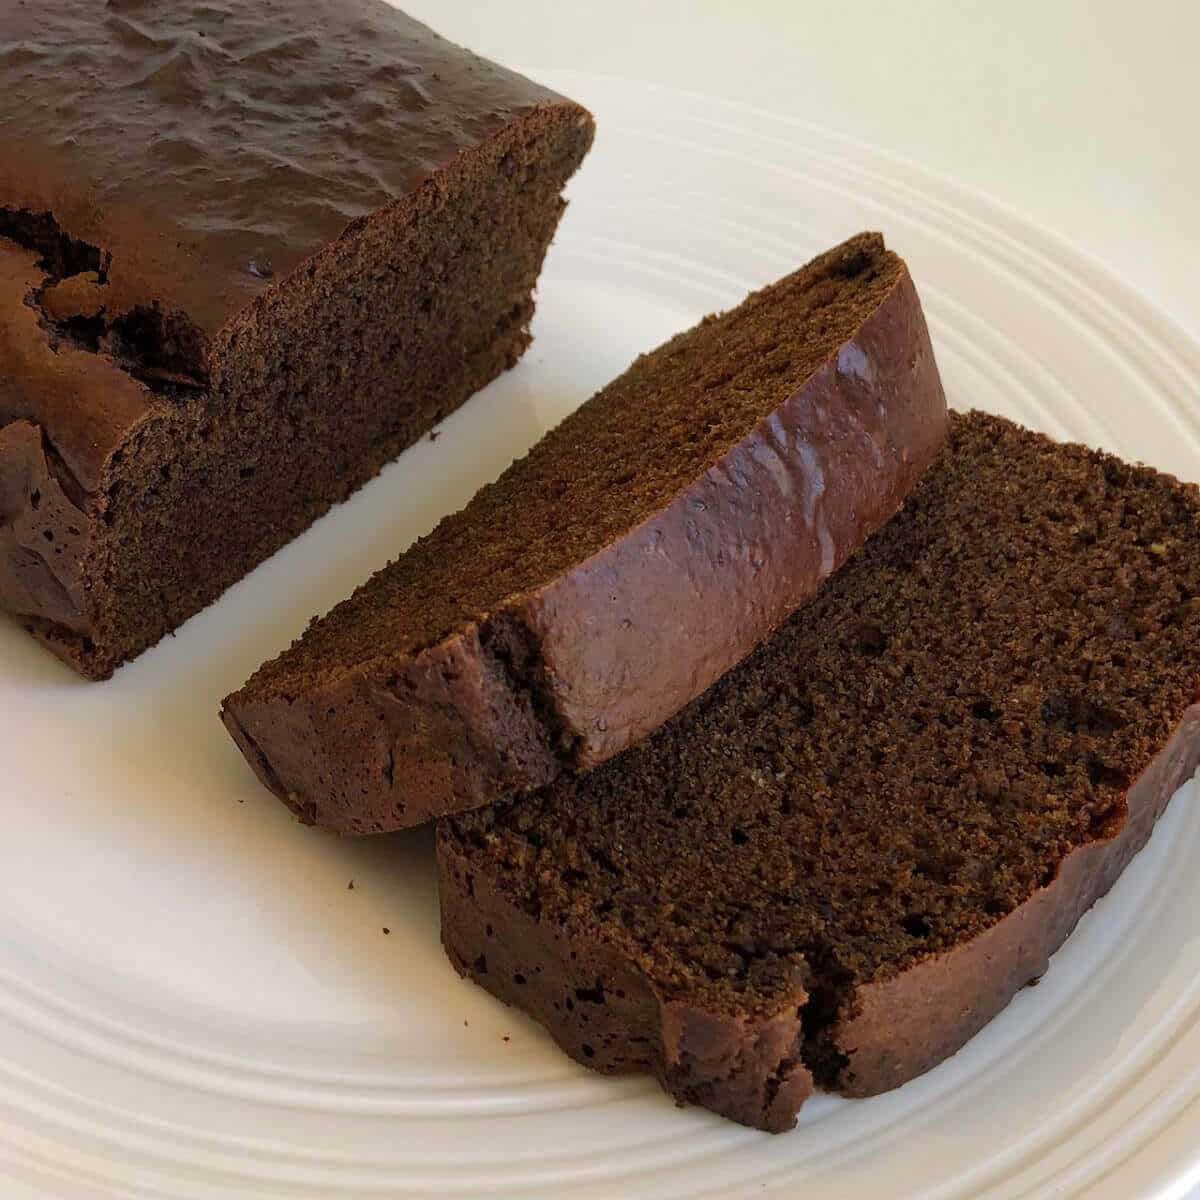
[[641, 549], [248, 253], [844, 859]]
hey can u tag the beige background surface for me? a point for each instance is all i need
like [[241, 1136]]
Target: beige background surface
[[1084, 115]]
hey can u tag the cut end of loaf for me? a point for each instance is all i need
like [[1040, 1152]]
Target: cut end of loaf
[[305, 402]]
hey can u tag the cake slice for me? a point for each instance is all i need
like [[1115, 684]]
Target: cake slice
[[248, 253], [640, 550], [845, 858]]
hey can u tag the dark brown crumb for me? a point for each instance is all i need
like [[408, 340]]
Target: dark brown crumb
[[350, 886], [386, 929], [361, 353], [648, 433], [908, 760]]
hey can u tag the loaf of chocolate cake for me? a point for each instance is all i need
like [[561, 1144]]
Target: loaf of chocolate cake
[[639, 551], [845, 858], [248, 253]]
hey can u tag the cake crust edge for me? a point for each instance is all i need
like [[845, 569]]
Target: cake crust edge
[[900, 1027], [615, 646]]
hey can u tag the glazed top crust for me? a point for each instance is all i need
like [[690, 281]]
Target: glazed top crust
[[207, 147]]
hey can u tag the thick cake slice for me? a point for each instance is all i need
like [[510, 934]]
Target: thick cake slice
[[845, 858], [640, 550], [248, 253]]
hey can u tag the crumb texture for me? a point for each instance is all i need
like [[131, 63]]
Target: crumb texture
[[347, 219], [642, 548], [910, 759], [619, 458]]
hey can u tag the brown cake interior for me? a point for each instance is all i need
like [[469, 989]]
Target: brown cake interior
[[352, 359], [906, 761], [619, 457]]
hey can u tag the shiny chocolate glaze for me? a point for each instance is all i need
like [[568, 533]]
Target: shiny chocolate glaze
[[208, 147]]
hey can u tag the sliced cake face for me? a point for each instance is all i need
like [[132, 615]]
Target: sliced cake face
[[889, 816], [249, 255], [640, 549]]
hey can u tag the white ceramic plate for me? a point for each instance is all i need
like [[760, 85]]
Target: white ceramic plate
[[193, 1001]]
